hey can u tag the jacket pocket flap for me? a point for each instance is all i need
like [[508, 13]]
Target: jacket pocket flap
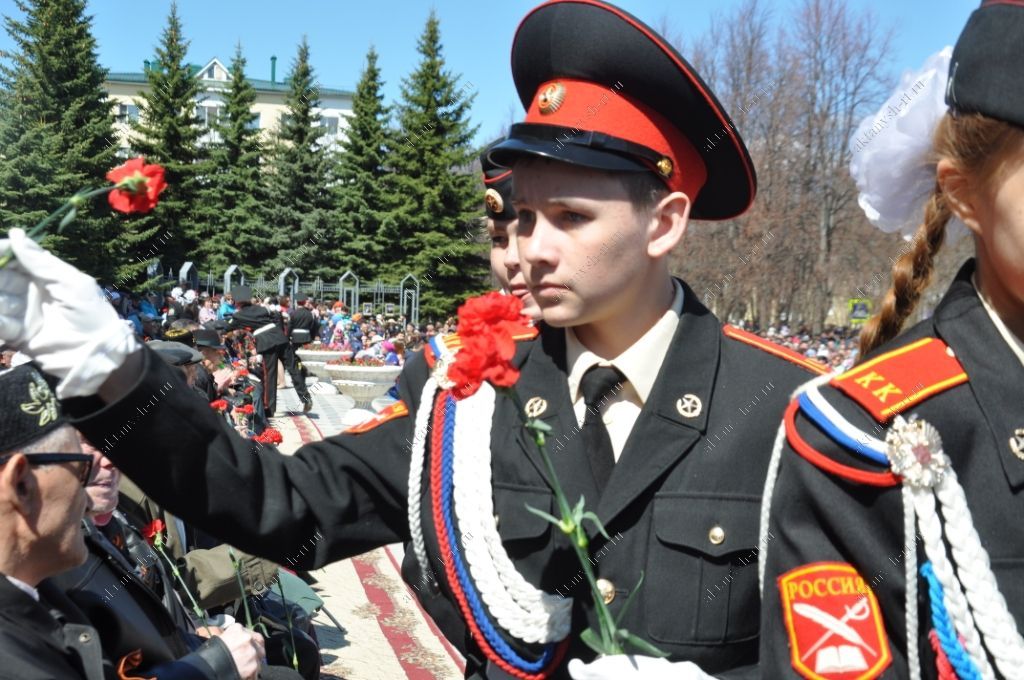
[[514, 520], [711, 525]]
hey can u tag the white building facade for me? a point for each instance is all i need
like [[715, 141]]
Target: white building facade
[[123, 90]]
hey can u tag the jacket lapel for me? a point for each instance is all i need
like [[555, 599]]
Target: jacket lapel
[[662, 434]]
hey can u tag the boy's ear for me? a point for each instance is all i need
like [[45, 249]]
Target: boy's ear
[[669, 220]]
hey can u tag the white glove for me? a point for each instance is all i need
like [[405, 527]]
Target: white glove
[[59, 316], [623, 667]]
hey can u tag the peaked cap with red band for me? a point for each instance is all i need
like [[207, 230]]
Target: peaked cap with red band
[[497, 186], [603, 90]]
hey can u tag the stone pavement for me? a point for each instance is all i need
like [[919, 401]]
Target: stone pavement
[[386, 634]]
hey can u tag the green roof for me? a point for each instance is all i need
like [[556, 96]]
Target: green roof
[[260, 85]]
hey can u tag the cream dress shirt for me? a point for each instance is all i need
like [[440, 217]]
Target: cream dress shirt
[[640, 363], [1015, 344]]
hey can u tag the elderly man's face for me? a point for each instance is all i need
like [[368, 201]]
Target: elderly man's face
[[102, 488], [44, 506]]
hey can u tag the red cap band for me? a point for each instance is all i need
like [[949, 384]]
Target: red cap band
[[590, 107]]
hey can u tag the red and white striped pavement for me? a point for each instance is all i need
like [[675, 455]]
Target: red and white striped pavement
[[387, 635]]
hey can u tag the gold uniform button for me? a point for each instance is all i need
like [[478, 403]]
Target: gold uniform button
[[607, 589], [716, 535], [497, 521]]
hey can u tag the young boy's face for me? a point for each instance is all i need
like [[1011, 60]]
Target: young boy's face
[[582, 247]]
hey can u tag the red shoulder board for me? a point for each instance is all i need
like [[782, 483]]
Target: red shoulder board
[[835, 625], [895, 381], [766, 345], [396, 410]]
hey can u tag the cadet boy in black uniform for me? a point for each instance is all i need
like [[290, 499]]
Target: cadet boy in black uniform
[[302, 329], [609, 166], [271, 342]]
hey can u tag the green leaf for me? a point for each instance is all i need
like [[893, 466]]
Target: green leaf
[[642, 645], [538, 425], [597, 523], [540, 513], [593, 640]]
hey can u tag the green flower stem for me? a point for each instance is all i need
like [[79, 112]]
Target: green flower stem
[[177, 575], [72, 205], [573, 527], [241, 588], [288, 613]]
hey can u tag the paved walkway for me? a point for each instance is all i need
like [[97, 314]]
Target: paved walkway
[[386, 636]]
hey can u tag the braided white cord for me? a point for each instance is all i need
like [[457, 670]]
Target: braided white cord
[[773, 474], [910, 564], [526, 612], [416, 472], [953, 596], [992, 615]]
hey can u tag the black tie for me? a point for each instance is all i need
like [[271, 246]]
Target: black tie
[[597, 382]]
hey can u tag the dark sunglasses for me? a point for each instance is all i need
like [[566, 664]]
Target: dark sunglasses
[[84, 472]]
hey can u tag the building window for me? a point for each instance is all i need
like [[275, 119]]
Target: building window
[[254, 123], [127, 113], [209, 114], [330, 125]]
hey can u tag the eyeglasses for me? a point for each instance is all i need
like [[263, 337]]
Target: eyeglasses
[[84, 472]]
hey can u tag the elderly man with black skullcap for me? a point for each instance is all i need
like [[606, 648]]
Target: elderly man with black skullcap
[[43, 474]]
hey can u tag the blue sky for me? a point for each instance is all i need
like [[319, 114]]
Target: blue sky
[[476, 35]]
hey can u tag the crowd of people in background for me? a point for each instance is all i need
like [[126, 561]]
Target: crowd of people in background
[[834, 346], [369, 337]]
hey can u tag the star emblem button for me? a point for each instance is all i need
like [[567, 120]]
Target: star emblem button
[[689, 406]]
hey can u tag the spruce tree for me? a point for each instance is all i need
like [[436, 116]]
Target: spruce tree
[[361, 201], [234, 232], [434, 232], [299, 210], [168, 132], [56, 130]]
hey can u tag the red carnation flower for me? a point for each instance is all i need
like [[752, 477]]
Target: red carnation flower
[[138, 186], [486, 327], [153, 531], [269, 436], [242, 371], [247, 409], [219, 405], [249, 389]]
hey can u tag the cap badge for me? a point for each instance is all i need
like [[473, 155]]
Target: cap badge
[[551, 98], [493, 201], [665, 166], [1017, 443], [43, 403]]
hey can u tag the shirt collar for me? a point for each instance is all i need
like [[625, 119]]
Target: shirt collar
[[24, 587], [1015, 344], [635, 362]]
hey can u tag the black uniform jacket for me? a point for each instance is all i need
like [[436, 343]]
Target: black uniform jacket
[[267, 333], [817, 516], [46, 640], [300, 318], [682, 504], [131, 617]]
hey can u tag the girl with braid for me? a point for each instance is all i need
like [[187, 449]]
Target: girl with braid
[[891, 543]]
